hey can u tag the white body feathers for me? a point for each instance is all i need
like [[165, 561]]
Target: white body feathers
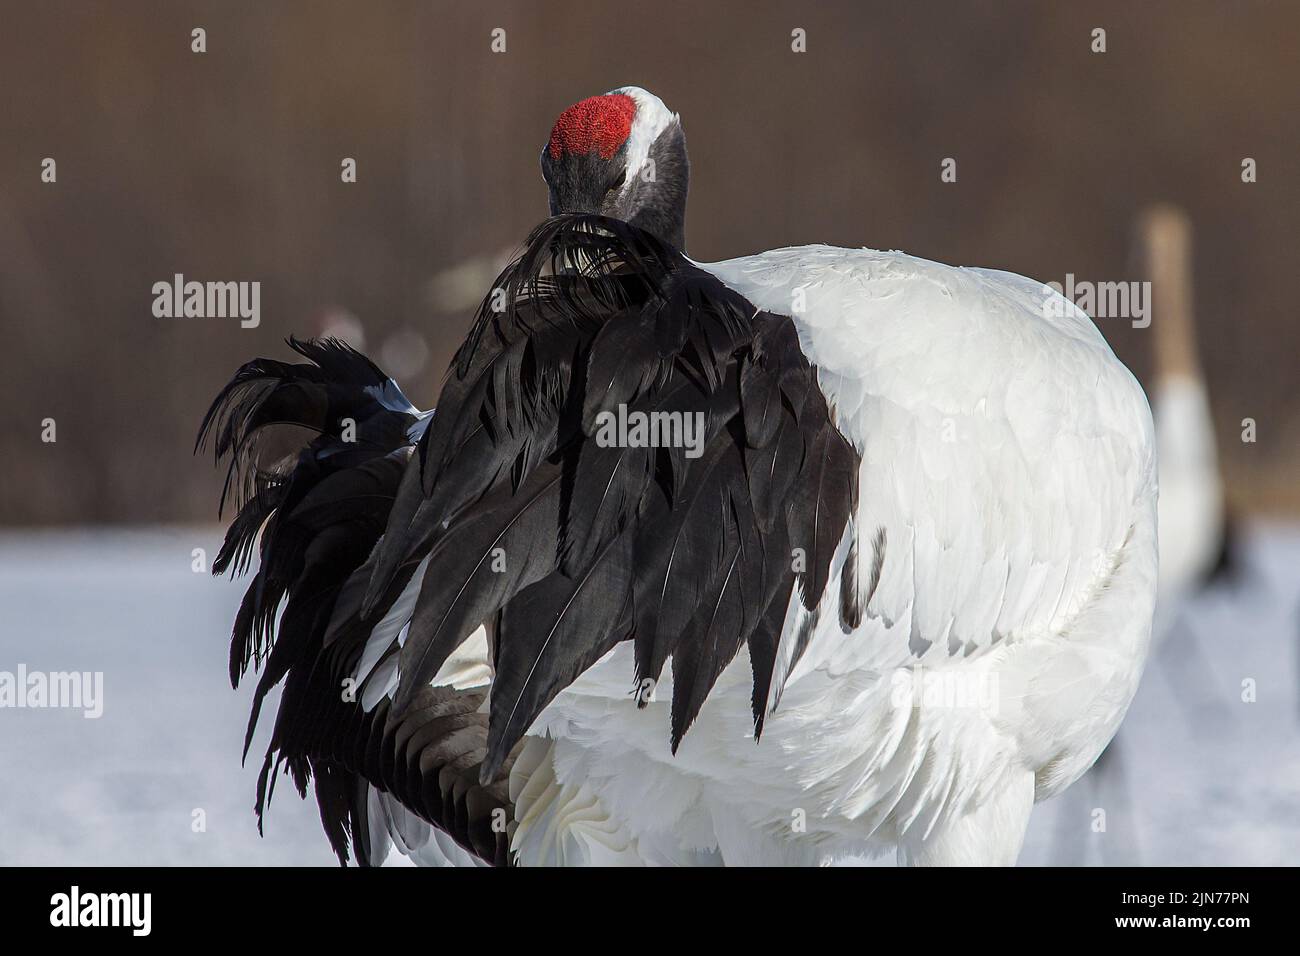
[[1007, 569]]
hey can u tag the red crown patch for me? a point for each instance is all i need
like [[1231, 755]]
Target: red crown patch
[[598, 124]]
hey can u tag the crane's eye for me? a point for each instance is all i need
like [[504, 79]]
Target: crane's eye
[[618, 183]]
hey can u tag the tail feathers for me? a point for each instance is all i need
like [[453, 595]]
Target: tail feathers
[[341, 395], [319, 514], [314, 517], [346, 475], [429, 760]]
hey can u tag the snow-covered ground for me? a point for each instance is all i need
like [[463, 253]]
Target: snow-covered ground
[[1205, 776]]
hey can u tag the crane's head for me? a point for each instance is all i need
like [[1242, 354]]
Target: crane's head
[[622, 154]]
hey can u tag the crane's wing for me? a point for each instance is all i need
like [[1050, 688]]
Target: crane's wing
[[624, 450]]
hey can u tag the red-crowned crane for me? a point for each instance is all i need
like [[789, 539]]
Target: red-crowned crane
[[802, 555]]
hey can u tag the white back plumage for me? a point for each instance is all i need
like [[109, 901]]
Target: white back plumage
[[1006, 527], [1008, 497]]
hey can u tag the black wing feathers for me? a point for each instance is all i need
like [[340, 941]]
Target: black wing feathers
[[319, 514], [624, 449], [550, 633], [476, 567], [687, 539]]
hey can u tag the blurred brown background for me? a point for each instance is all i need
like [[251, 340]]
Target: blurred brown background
[[225, 166]]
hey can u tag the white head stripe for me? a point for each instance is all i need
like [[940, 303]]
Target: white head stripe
[[651, 119]]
